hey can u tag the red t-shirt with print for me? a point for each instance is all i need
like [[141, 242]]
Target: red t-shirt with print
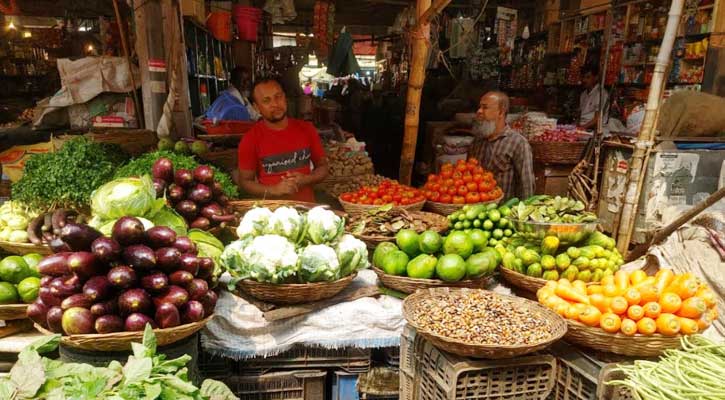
[[273, 153]]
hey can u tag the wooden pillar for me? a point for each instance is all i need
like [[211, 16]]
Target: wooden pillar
[[174, 38], [151, 58], [416, 79]]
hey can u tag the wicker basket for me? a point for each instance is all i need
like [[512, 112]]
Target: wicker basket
[[242, 206], [352, 208], [556, 324], [22, 249], [612, 392], [133, 141], [522, 281], [294, 293], [434, 221], [617, 343], [121, 341], [568, 153], [448, 209], [13, 311], [411, 285]]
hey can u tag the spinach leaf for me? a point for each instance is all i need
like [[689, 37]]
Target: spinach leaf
[[216, 390]]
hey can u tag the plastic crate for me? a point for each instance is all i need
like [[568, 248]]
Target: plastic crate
[[344, 386], [286, 385], [351, 359], [437, 375], [612, 392], [577, 375]]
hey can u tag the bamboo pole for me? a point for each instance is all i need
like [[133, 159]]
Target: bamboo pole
[[646, 136], [416, 78], [127, 54], [431, 12]]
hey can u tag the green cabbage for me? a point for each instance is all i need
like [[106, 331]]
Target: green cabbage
[[353, 255], [255, 222], [167, 216], [287, 222], [126, 196], [318, 262], [323, 226]]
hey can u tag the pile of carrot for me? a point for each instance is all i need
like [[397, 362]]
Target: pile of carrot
[[634, 303]]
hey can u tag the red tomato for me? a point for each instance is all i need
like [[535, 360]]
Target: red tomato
[[485, 186], [387, 198], [452, 191], [472, 197], [435, 187], [435, 196], [470, 167], [405, 201], [458, 182], [496, 193], [449, 182], [346, 196], [457, 175], [446, 174], [366, 201], [432, 178], [488, 176], [460, 161], [459, 200], [378, 202], [485, 196], [462, 190], [461, 167], [447, 167], [467, 178], [472, 186], [473, 161], [478, 170], [478, 178], [445, 198], [397, 197]]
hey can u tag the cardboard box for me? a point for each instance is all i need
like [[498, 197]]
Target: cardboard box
[[194, 9]]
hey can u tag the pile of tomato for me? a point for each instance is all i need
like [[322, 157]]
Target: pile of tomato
[[388, 192], [466, 182]]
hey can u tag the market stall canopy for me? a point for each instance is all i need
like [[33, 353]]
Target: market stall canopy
[[63, 8]]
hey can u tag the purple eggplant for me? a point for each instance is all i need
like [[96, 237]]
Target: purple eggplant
[[103, 308], [98, 288], [183, 177], [77, 321], [57, 245], [167, 258], [65, 286], [200, 223], [140, 257], [109, 324], [193, 311], [79, 236], [208, 300], [37, 312], [200, 194], [181, 278], [204, 174], [167, 315], [155, 281], [159, 187], [160, 236], [55, 264], [175, 295], [185, 245], [128, 231], [83, 263], [206, 267], [106, 250], [122, 276], [76, 300], [54, 319], [134, 300], [187, 209], [190, 263], [197, 288], [45, 280], [46, 295], [137, 322], [175, 193], [222, 200], [210, 210], [163, 169]]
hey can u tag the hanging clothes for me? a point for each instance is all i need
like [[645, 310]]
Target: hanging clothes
[[342, 59], [460, 34]]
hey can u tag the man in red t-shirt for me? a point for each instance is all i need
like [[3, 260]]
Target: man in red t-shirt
[[277, 156]]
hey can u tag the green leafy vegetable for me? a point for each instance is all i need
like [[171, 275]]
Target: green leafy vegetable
[[167, 216], [142, 166], [126, 196], [67, 178]]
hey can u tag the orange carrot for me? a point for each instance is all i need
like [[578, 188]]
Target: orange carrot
[[621, 281], [668, 324], [619, 305], [652, 310], [580, 286], [688, 326], [646, 326], [610, 322], [670, 302], [693, 308], [628, 327], [663, 278], [590, 316], [637, 276], [635, 312], [571, 294]]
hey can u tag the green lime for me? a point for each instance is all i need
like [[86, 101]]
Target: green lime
[[497, 234], [494, 215], [451, 268], [8, 294], [508, 232], [28, 289], [488, 225], [14, 269], [458, 226], [479, 239], [408, 241], [380, 251], [466, 224], [33, 259], [430, 242], [458, 243], [422, 267], [476, 223], [480, 264], [395, 263]]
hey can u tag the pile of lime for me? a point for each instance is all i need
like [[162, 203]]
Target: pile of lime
[[428, 255], [19, 279]]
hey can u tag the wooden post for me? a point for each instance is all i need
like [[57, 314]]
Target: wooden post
[[151, 58], [416, 78], [124, 44], [637, 165]]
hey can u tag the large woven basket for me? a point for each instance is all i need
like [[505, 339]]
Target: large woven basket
[[522, 281], [294, 293], [447, 209], [556, 323], [133, 141], [617, 343], [434, 221], [568, 153], [13, 311], [359, 208], [121, 341], [408, 285], [22, 249]]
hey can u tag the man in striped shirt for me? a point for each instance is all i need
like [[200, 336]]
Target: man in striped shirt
[[500, 149]]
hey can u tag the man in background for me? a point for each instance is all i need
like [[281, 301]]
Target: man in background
[[590, 99], [233, 103]]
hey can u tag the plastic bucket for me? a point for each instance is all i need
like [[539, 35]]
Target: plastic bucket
[[219, 24], [247, 19]]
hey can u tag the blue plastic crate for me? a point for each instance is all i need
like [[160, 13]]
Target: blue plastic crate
[[344, 386]]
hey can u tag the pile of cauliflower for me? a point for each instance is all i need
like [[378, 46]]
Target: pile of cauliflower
[[285, 246]]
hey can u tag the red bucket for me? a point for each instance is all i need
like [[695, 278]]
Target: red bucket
[[219, 24], [247, 19]]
